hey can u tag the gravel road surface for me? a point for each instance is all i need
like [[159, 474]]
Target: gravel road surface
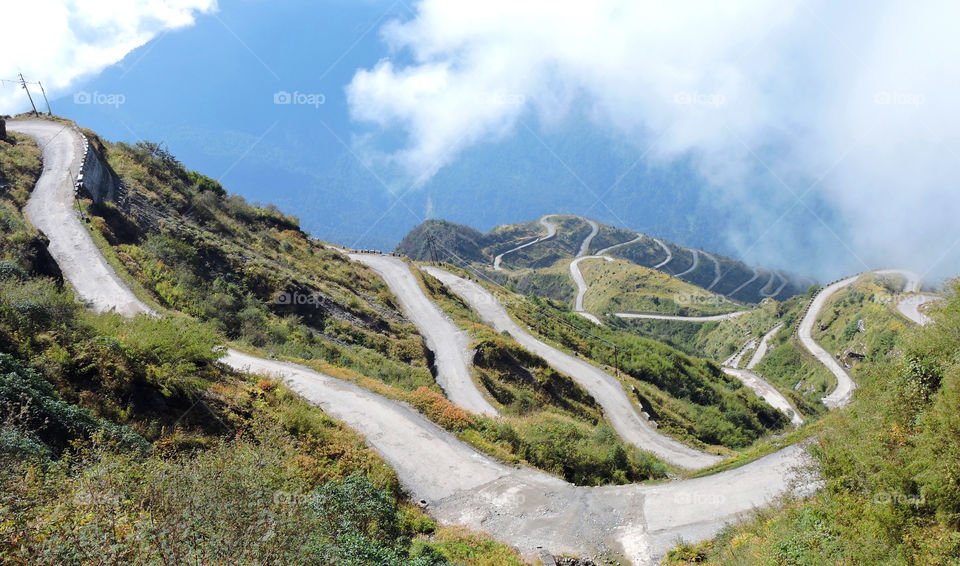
[[51, 209], [605, 389], [448, 342]]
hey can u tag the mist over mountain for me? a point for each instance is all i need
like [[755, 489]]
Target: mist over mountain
[[725, 150]]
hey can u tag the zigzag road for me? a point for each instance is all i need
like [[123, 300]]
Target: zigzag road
[[51, 210], [551, 232], [607, 391], [594, 228], [521, 507], [654, 316], [448, 342], [843, 393]]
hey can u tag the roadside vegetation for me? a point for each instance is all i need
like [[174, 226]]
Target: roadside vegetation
[[123, 441], [250, 271], [549, 421], [541, 269], [621, 286], [689, 398], [889, 461]]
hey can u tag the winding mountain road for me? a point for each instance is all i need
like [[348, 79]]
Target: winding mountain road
[[760, 386], [605, 389], [756, 275], [693, 266], [909, 306], [51, 210], [667, 250], [766, 391], [654, 316], [620, 245], [734, 360], [551, 232], [521, 507], [529, 509], [769, 284], [594, 228], [716, 270], [843, 393], [582, 286], [764, 345], [444, 338]]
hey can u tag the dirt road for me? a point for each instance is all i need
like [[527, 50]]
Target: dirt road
[[521, 507], [762, 348], [585, 245], [582, 285], [693, 266], [551, 232], [665, 249], [605, 389], [909, 306], [528, 509], [843, 393], [764, 390], [444, 338], [51, 209], [654, 316]]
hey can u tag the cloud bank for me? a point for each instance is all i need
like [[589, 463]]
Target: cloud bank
[[850, 104], [58, 42]]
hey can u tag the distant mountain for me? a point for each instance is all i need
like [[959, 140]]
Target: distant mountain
[[548, 257]]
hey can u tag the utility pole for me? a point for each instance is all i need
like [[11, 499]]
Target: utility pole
[[23, 83], [49, 112]]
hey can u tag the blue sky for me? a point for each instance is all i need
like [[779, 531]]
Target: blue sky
[[805, 135]]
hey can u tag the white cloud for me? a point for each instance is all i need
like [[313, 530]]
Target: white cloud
[[60, 41], [863, 92]]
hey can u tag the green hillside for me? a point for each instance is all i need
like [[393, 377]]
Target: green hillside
[[125, 442], [462, 245], [891, 493]]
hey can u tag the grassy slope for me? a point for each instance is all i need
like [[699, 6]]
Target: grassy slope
[[716, 340], [690, 398], [532, 269], [242, 260], [621, 286], [212, 256], [549, 420], [122, 441], [889, 462]]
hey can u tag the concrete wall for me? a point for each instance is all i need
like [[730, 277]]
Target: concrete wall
[[97, 179]]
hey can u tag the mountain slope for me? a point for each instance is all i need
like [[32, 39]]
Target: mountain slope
[[461, 245]]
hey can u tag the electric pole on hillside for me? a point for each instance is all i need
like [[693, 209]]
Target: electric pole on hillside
[[23, 83], [44, 93]]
